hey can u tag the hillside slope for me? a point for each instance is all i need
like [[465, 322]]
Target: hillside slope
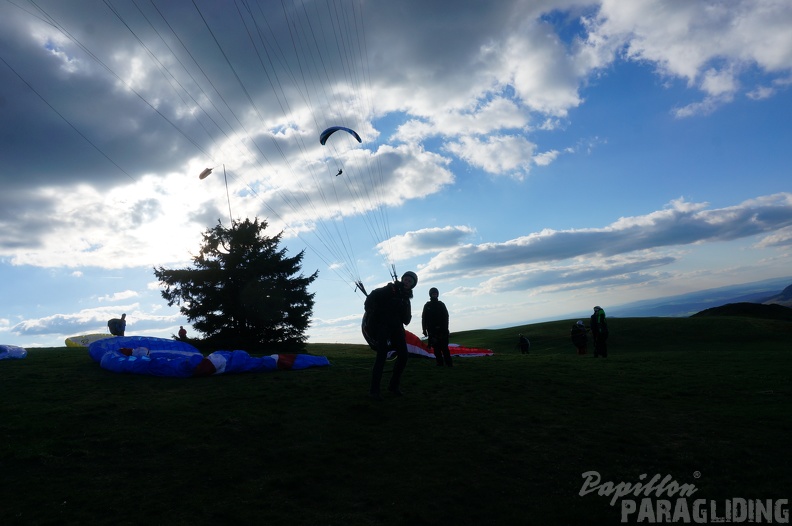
[[785, 298], [771, 311]]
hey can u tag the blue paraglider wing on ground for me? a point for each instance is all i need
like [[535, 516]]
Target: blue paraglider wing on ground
[[164, 357], [11, 352]]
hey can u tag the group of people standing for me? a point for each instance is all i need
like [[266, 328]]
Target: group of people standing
[[599, 333], [387, 310]]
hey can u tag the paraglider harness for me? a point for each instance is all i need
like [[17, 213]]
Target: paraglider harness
[[114, 325], [370, 306]]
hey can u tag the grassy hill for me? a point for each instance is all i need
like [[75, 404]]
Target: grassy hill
[[498, 440], [750, 310]]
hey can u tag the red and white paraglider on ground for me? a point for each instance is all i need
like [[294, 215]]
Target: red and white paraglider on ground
[[417, 346]]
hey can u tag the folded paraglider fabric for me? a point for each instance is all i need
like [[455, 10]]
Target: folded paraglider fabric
[[98, 348], [84, 340], [163, 357], [11, 352]]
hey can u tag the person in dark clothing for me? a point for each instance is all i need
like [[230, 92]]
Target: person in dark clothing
[[524, 344], [182, 333], [599, 332], [117, 326], [434, 322], [388, 309], [579, 337]]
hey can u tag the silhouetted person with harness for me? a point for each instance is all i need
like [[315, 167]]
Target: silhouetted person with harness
[[388, 309]]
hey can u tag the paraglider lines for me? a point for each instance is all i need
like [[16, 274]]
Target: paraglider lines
[[329, 41]]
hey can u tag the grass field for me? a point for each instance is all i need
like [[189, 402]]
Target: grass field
[[500, 440]]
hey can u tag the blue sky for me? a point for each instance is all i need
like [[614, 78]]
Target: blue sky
[[529, 159]]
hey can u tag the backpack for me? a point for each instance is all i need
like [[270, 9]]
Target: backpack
[[114, 325], [603, 325], [375, 301]]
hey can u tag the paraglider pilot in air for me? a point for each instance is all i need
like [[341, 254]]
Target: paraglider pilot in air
[[434, 321], [388, 309]]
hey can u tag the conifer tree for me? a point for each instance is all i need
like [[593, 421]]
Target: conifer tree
[[243, 291]]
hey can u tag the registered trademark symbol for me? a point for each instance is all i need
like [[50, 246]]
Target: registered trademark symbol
[[697, 474]]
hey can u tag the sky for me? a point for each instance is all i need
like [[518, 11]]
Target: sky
[[530, 159]]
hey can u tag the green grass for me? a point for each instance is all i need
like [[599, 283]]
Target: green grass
[[498, 440]]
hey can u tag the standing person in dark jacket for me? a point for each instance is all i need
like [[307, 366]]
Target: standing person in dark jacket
[[579, 337], [434, 322], [524, 344], [388, 309], [599, 332]]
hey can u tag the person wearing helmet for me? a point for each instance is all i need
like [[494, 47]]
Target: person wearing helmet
[[388, 310], [434, 321], [599, 332], [579, 337]]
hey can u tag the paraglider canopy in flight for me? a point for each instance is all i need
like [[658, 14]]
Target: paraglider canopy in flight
[[331, 130]]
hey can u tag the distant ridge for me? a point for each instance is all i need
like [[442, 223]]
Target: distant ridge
[[689, 304], [749, 310], [685, 305], [785, 298]]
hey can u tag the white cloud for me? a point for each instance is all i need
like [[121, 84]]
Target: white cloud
[[779, 238], [479, 119], [705, 43], [120, 296], [680, 223], [579, 273], [95, 320], [545, 158], [425, 241], [498, 155]]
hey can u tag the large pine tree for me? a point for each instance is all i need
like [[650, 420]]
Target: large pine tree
[[243, 291]]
